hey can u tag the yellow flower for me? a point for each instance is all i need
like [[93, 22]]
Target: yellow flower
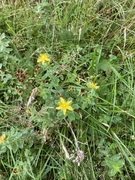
[[28, 111], [2, 138], [93, 85], [43, 58], [64, 105]]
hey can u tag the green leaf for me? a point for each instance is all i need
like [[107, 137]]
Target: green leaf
[[71, 115], [71, 77], [114, 163], [6, 78], [104, 65]]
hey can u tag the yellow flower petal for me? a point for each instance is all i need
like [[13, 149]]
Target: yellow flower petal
[[93, 85], [58, 108], [62, 100], [2, 138], [70, 108], [64, 105], [64, 111], [43, 58], [28, 111]]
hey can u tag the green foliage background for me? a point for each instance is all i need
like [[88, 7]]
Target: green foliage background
[[86, 40]]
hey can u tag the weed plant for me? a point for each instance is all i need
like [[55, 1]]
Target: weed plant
[[67, 91]]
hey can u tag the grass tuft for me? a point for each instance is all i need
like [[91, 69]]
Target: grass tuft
[[67, 89]]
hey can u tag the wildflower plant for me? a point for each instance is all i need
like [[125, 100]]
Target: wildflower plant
[[67, 90]]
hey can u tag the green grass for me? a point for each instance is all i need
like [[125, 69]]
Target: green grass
[[86, 41]]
